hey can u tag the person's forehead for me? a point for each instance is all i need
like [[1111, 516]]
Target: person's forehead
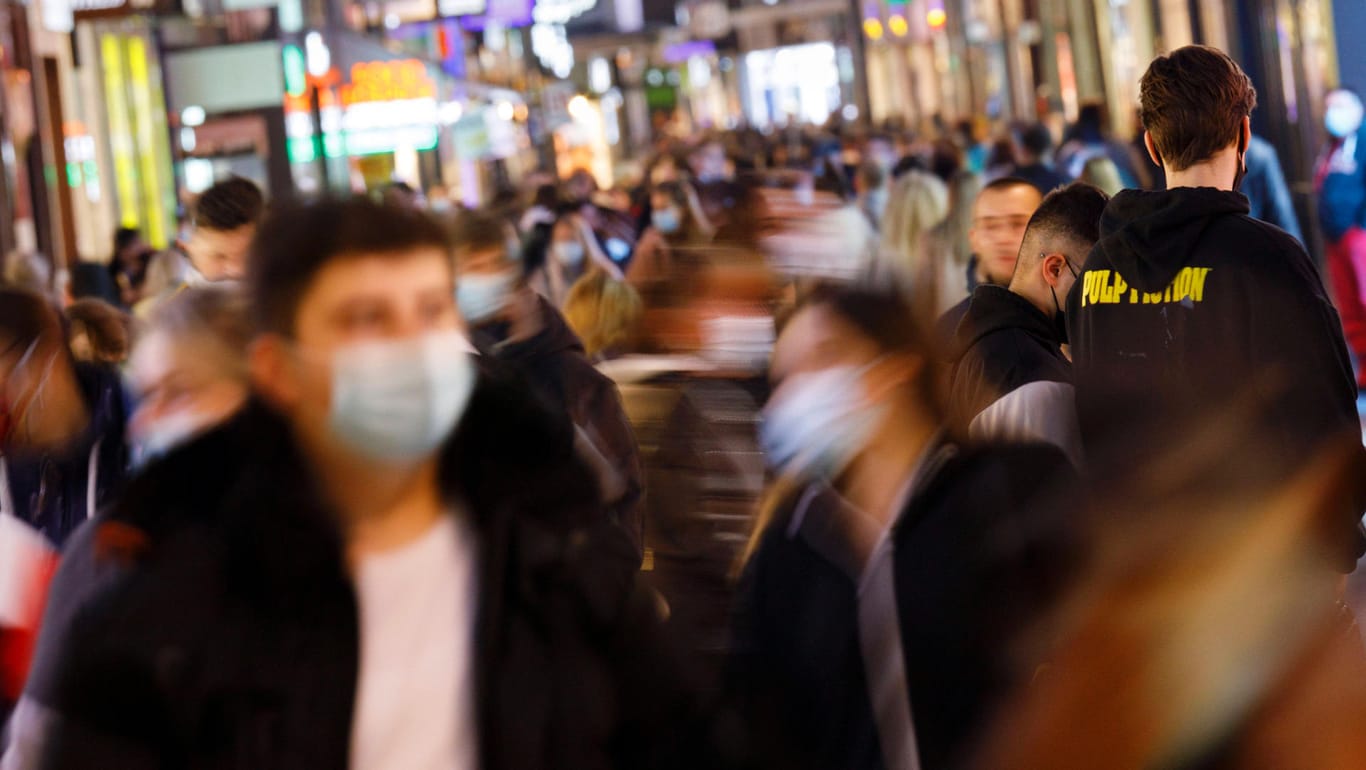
[[396, 274], [1010, 201], [814, 335]]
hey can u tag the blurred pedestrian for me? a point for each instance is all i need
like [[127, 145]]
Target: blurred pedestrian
[[98, 332], [1340, 181], [572, 252], [61, 422], [390, 553], [1102, 173], [1187, 301], [893, 567], [693, 401], [189, 371], [520, 328], [676, 223], [873, 184], [1268, 196], [999, 218], [1012, 381], [128, 264], [1035, 153], [1090, 138], [225, 217], [906, 257], [606, 315], [29, 271]]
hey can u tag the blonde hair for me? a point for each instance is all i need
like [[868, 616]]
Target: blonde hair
[[918, 203], [603, 311]]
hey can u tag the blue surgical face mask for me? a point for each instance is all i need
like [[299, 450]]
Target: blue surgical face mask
[[397, 401], [569, 253], [667, 220], [481, 296], [818, 422]]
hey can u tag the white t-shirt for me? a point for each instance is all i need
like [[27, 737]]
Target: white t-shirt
[[415, 699]]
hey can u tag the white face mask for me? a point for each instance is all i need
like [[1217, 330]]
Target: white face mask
[[397, 401], [569, 253], [166, 434], [819, 421], [482, 295], [1343, 119]]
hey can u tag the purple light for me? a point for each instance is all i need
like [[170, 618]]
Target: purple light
[[681, 52]]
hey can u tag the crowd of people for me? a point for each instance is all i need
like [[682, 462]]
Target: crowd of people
[[812, 450]]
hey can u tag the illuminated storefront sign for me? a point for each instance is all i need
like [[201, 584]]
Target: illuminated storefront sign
[[388, 81]]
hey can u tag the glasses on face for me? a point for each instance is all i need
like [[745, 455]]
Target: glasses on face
[[1005, 225]]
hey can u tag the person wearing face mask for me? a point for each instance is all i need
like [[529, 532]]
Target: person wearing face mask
[[676, 222], [189, 370], [390, 558], [513, 323], [571, 252], [1012, 380], [1187, 302], [890, 572], [1340, 181]]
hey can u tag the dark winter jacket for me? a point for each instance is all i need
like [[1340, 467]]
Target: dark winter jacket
[[978, 554], [1268, 196], [1342, 188], [554, 364], [231, 641], [51, 489], [1011, 381], [1187, 303]]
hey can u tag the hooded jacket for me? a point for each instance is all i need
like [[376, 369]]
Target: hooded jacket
[[1187, 303], [230, 639], [553, 362], [1011, 381]]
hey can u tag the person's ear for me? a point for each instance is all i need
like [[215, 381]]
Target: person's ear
[[1152, 149], [1245, 135], [274, 372], [1053, 267]]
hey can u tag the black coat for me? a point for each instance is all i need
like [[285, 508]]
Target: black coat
[[978, 554], [232, 639], [1011, 380]]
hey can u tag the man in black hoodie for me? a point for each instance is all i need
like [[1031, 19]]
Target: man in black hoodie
[[1012, 381], [519, 327], [1187, 302]]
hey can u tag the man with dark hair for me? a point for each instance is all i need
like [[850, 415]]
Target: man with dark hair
[[518, 326], [1013, 381], [1035, 151], [391, 558], [225, 219], [999, 218], [1187, 302]]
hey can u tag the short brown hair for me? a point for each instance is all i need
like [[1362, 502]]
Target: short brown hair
[[1193, 102]]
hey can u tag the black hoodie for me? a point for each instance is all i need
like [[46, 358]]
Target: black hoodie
[[1010, 379], [1187, 304]]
